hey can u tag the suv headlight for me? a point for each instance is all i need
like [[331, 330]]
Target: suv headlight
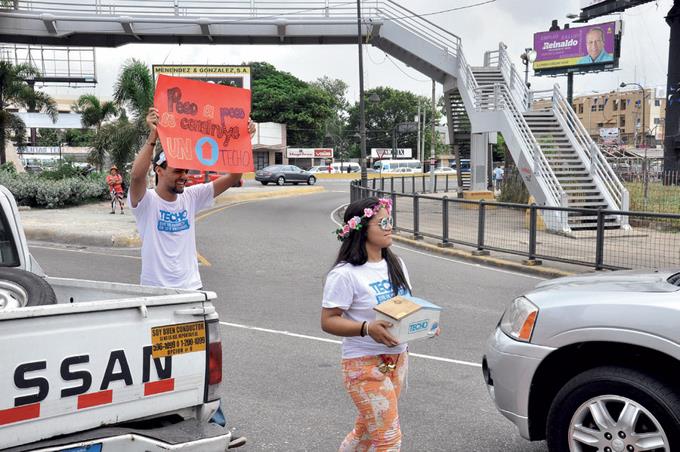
[[519, 319]]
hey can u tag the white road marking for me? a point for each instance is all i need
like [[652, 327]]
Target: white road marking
[[334, 341], [434, 256]]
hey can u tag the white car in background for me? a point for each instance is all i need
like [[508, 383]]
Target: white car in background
[[404, 170], [445, 170], [318, 169]]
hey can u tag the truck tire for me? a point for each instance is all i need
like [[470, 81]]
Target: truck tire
[[20, 288], [607, 407]]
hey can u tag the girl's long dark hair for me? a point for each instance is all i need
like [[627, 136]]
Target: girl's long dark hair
[[353, 248]]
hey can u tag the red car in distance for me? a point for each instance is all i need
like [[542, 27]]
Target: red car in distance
[[199, 177]]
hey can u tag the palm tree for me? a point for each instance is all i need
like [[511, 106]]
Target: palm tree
[[16, 89], [133, 93], [93, 113]]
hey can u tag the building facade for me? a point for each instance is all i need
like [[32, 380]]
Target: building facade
[[616, 117]]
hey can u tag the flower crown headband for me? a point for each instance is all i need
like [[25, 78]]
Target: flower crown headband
[[354, 223]]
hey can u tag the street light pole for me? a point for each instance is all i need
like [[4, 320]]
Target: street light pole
[[362, 107], [645, 170]]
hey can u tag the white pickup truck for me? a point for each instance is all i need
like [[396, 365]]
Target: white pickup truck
[[90, 366]]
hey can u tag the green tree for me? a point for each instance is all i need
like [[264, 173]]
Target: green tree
[[278, 96], [93, 113], [48, 137], [394, 107], [78, 137], [337, 90], [122, 138], [16, 91]]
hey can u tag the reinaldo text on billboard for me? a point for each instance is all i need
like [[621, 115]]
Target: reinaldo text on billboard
[[592, 48]]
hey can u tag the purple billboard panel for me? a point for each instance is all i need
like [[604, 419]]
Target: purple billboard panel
[[575, 47]]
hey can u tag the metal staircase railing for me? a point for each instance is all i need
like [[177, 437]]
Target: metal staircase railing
[[500, 59], [500, 99], [595, 161]]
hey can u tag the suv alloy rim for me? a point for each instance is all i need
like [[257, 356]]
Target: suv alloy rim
[[613, 423]]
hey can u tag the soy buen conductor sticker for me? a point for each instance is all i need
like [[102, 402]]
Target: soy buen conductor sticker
[[169, 340]]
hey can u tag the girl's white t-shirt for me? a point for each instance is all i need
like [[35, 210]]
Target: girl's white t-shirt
[[357, 289], [168, 232]]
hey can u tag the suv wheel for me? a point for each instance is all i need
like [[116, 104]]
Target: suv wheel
[[614, 409]]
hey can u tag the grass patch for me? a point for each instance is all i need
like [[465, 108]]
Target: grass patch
[[660, 198]]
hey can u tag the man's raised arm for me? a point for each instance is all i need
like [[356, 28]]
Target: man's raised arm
[[228, 180], [140, 167]]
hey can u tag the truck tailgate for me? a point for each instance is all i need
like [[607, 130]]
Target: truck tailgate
[[69, 368]]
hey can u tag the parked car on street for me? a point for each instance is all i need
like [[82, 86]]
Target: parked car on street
[[404, 170], [591, 362], [318, 169], [282, 174], [199, 177]]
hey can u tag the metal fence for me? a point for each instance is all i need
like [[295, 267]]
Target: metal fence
[[653, 241]]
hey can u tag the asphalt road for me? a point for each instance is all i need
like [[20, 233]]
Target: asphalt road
[[266, 260]]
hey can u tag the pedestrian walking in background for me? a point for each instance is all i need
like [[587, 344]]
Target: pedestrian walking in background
[[115, 182], [374, 365], [498, 174]]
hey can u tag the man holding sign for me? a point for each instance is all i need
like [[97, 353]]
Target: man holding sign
[[201, 126]]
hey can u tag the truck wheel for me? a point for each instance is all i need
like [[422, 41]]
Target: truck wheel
[[19, 288], [614, 409]]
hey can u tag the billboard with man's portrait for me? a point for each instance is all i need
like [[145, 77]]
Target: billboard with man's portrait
[[589, 48]]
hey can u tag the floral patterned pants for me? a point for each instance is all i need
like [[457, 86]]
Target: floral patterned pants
[[375, 394]]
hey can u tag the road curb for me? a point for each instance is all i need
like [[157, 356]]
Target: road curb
[[57, 233], [280, 193], [547, 272], [44, 234]]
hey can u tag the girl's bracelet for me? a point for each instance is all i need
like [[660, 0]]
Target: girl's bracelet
[[363, 329]]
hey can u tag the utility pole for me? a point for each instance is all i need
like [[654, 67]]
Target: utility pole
[[418, 139], [362, 106], [432, 138], [671, 143]]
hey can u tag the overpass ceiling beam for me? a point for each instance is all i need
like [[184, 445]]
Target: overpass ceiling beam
[[205, 28], [50, 23], [127, 23]]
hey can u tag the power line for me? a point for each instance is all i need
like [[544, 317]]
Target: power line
[[445, 10], [404, 72]]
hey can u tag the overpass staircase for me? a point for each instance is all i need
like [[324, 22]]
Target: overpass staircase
[[558, 161]]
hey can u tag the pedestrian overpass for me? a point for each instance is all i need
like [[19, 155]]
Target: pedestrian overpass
[[556, 157]]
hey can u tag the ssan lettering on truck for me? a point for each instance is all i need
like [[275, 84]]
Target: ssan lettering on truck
[[102, 366], [28, 376]]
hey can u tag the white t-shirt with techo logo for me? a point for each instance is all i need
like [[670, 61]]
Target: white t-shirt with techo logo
[[168, 232], [357, 289]]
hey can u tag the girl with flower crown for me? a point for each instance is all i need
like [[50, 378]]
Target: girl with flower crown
[[374, 365]]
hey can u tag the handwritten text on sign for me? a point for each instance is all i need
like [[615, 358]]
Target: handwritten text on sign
[[204, 126], [169, 340]]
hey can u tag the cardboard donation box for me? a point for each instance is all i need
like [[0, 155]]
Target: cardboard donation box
[[412, 318]]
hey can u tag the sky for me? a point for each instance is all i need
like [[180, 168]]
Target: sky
[[644, 55]]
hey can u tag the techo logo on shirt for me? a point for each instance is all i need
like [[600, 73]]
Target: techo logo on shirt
[[173, 221], [383, 290]]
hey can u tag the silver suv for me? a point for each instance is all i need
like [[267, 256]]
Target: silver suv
[[592, 363]]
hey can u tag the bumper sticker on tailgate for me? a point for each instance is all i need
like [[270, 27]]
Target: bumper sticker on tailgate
[[177, 339]]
